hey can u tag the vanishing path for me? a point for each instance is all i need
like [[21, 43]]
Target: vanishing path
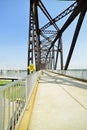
[[60, 104]]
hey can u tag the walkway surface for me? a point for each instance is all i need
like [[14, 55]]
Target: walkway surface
[[61, 104]]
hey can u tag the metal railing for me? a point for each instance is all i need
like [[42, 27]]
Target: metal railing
[[81, 74], [13, 100]]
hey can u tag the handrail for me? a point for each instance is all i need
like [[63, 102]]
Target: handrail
[[76, 74], [13, 100]]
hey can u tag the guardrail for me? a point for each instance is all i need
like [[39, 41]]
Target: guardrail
[[80, 74], [13, 100]]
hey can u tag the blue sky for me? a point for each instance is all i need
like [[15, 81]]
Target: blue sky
[[14, 19]]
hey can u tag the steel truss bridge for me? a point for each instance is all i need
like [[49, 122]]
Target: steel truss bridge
[[60, 102], [45, 43]]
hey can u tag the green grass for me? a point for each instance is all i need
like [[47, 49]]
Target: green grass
[[4, 82]]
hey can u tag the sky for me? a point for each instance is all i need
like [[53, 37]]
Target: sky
[[14, 23]]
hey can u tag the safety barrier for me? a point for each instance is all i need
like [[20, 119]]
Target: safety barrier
[[77, 74], [13, 101]]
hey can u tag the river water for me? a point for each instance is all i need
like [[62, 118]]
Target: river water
[[81, 73], [13, 73]]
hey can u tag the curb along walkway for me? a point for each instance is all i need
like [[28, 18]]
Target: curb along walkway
[[60, 104]]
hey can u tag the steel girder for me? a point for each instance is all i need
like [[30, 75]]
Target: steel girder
[[45, 45], [34, 38]]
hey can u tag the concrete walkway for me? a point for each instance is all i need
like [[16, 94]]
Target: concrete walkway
[[61, 104]]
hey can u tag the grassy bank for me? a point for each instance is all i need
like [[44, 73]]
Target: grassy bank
[[4, 82]]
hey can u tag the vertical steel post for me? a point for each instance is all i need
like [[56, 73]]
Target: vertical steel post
[[35, 13], [34, 38], [61, 53], [59, 50]]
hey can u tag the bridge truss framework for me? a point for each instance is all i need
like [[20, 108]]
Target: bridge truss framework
[[45, 43]]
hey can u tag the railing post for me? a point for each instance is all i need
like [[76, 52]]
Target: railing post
[[9, 108], [1, 111], [4, 110], [26, 88]]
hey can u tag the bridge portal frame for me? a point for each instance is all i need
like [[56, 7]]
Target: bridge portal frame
[[45, 51]]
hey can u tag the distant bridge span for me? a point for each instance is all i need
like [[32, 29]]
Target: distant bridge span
[[9, 78]]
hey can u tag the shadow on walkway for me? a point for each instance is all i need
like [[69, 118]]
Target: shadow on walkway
[[61, 80]]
